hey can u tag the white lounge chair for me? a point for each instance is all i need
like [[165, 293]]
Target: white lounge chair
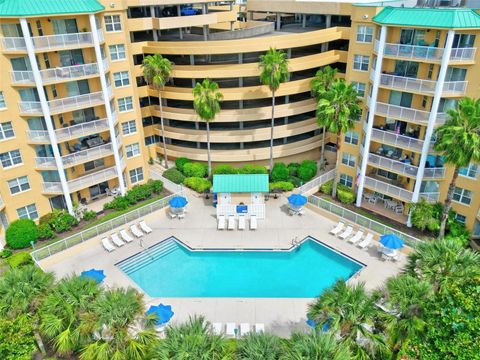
[[145, 228], [172, 215], [259, 328], [244, 329], [366, 242], [136, 231], [253, 222], [217, 328], [241, 222], [230, 331], [231, 222], [356, 238], [339, 227], [221, 222], [116, 240], [107, 245], [348, 231], [125, 236]]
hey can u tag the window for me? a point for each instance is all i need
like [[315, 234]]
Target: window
[[125, 104], [460, 218], [3, 105], [117, 52], [153, 139], [129, 127], [112, 23], [346, 180], [6, 130], [470, 171], [351, 137], [360, 87], [121, 79], [364, 33], [348, 159], [18, 185], [136, 175], [10, 158], [462, 196], [28, 212], [360, 62], [133, 150], [95, 164]]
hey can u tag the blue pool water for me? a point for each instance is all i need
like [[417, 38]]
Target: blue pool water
[[176, 271]]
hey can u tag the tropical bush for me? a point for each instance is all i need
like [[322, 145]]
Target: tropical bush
[[134, 195], [252, 169], [195, 169], [327, 187], [19, 259], [118, 203], [198, 184], [279, 172], [45, 232], [281, 185], [155, 185], [295, 181], [59, 221], [5, 253], [425, 215], [293, 169], [180, 163], [17, 341], [89, 215], [174, 175], [224, 169], [138, 193], [307, 170], [345, 194], [20, 233]]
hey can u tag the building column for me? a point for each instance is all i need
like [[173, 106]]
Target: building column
[[46, 113], [371, 114], [328, 24], [205, 27], [108, 108], [180, 30], [279, 21], [152, 14], [304, 20], [433, 116]]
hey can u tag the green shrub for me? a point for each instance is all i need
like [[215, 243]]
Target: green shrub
[[224, 169], [62, 221], [293, 168], [19, 259], [252, 169], [89, 215], [295, 181], [307, 170], [174, 176], [5, 253], [150, 160], [345, 194], [118, 203], [44, 232], [21, 233], [195, 169], [327, 187], [279, 172], [281, 185], [180, 163], [155, 185], [198, 184], [138, 193]]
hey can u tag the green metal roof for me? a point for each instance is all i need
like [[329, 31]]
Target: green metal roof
[[428, 17], [240, 183], [21, 8]]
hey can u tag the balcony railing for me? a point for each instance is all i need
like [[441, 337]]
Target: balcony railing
[[2, 203], [401, 141], [430, 196], [404, 169], [407, 114], [45, 162], [87, 155], [388, 189], [14, 44]]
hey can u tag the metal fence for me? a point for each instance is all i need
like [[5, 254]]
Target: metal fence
[[361, 220], [315, 183], [100, 229]]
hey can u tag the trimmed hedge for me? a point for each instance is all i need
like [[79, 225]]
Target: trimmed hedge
[[252, 169], [180, 162], [281, 185], [307, 170], [197, 183], [295, 181], [327, 187], [89, 215], [223, 169], [45, 232], [293, 168], [21, 258], [21, 233], [345, 194], [174, 175], [279, 172], [134, 195], [195, 169]]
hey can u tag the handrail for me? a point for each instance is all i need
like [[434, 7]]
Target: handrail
[[392, 165], [85, 155], [388, 189], [397, 140], [315, 183], [407, 114]]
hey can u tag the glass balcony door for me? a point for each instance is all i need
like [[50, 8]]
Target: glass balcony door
[[65, 26], [400, 98], [412, 37]]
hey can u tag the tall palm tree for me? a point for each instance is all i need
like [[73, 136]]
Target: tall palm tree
[[206, 102], [192, 340], [319, 85], [316, 346], [274, 71], [350, 313], [157, 71], [259, 346], [442, 261], [458, 140], [337, 109]]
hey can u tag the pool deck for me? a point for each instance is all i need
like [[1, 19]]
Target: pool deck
[[198, 230]]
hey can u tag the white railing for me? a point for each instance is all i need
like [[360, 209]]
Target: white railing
[[92, 179], [45, 162], [2, 204], [30, 107], [388, 189], [87, 155], [315, 183], [407, 114], [52, 187], [391, 138], [22, 77], [434, 173], [431, 196], [392, 165], [463, 54], [14, 44], [50, 42], [73, 102]]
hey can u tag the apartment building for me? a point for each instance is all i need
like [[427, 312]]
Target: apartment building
[[95, 124]]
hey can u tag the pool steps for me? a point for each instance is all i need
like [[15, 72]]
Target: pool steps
[[147, 256]]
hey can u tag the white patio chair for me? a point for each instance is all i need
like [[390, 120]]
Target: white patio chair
[[125, 236], [356, 238], [366, 242], [241, 222], [259, 328], [230, 330], [231, 222], [107, 245], [253, 222], [336, 230], [348, 231], [217, 328], [145, 228], [244, 329], [116, 240], [136, 231], [221, 222]]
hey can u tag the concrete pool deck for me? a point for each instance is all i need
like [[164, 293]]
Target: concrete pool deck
[[198, 230]]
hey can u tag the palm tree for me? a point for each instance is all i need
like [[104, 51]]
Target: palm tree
[[319, 85], [458, 140], [316, 346], [350, 313], [120, 328], [62, 312], [259, 346], [192, 340], [337, 109], [157, 71], [442, 261], [274, 71], [206, 102]]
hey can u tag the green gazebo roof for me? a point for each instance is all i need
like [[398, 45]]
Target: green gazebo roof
[[428, 17], [20, 8], [240, 183]]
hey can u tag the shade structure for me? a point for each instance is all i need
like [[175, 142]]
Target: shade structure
[[178, 202], [162, 312], [94, 274], [391, 241], [297, 200]]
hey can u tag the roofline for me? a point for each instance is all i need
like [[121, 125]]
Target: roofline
[[50, 14]]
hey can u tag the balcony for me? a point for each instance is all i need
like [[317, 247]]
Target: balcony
[[388, 189], [76, 158], [407, 114], [397, 140], [404, 169]]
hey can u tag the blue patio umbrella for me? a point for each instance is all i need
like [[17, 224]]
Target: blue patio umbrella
[[311, 323], [391, 241], [94, 274], [178, 202], [163, 313], [297, 200]]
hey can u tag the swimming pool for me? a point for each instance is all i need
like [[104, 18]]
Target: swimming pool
[[169, 269]]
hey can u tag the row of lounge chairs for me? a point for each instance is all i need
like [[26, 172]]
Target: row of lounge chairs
[[347, 232], [231, 330], [119, 240], [242, 222]]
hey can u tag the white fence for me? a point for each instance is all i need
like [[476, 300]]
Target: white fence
[[313, 185], [231, 210]]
